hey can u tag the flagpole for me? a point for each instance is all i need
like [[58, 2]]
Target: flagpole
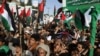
[[20, 28], [93, 30], [48, 10], [54, 11], [24, 18]]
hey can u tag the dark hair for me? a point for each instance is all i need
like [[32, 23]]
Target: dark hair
[[2, 38], [81, 43], [16, 42], [36, 37], [45, 40]]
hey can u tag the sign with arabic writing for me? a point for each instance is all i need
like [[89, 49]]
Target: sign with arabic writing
[[81, 4]]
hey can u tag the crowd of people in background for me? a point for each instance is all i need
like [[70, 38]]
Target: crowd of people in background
[[52, 39], [32, 37]]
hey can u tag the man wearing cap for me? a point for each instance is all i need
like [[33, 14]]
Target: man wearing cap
[[43, 50]]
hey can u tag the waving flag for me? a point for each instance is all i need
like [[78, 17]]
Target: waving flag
[[28, 17], [7, 17], [41, 10], [79, 20], [22, 13], [63, 17]]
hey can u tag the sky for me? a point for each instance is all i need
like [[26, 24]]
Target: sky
[[49, 8]]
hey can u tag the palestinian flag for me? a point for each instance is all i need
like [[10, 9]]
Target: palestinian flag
[[79, 20], [28, 17], [41, 10], [68, 20], [6, 17], [22, 13], [58, 15], [63, 16], [22, 16]]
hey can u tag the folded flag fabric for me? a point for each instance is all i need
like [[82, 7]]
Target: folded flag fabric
[[6, 17], [79, 20]]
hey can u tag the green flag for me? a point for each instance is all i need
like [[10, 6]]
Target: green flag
[[93, 26]]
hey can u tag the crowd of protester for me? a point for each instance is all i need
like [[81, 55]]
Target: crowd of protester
[[52, 39]]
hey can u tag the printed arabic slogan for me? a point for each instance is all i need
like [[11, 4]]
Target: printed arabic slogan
[[82, 5]]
